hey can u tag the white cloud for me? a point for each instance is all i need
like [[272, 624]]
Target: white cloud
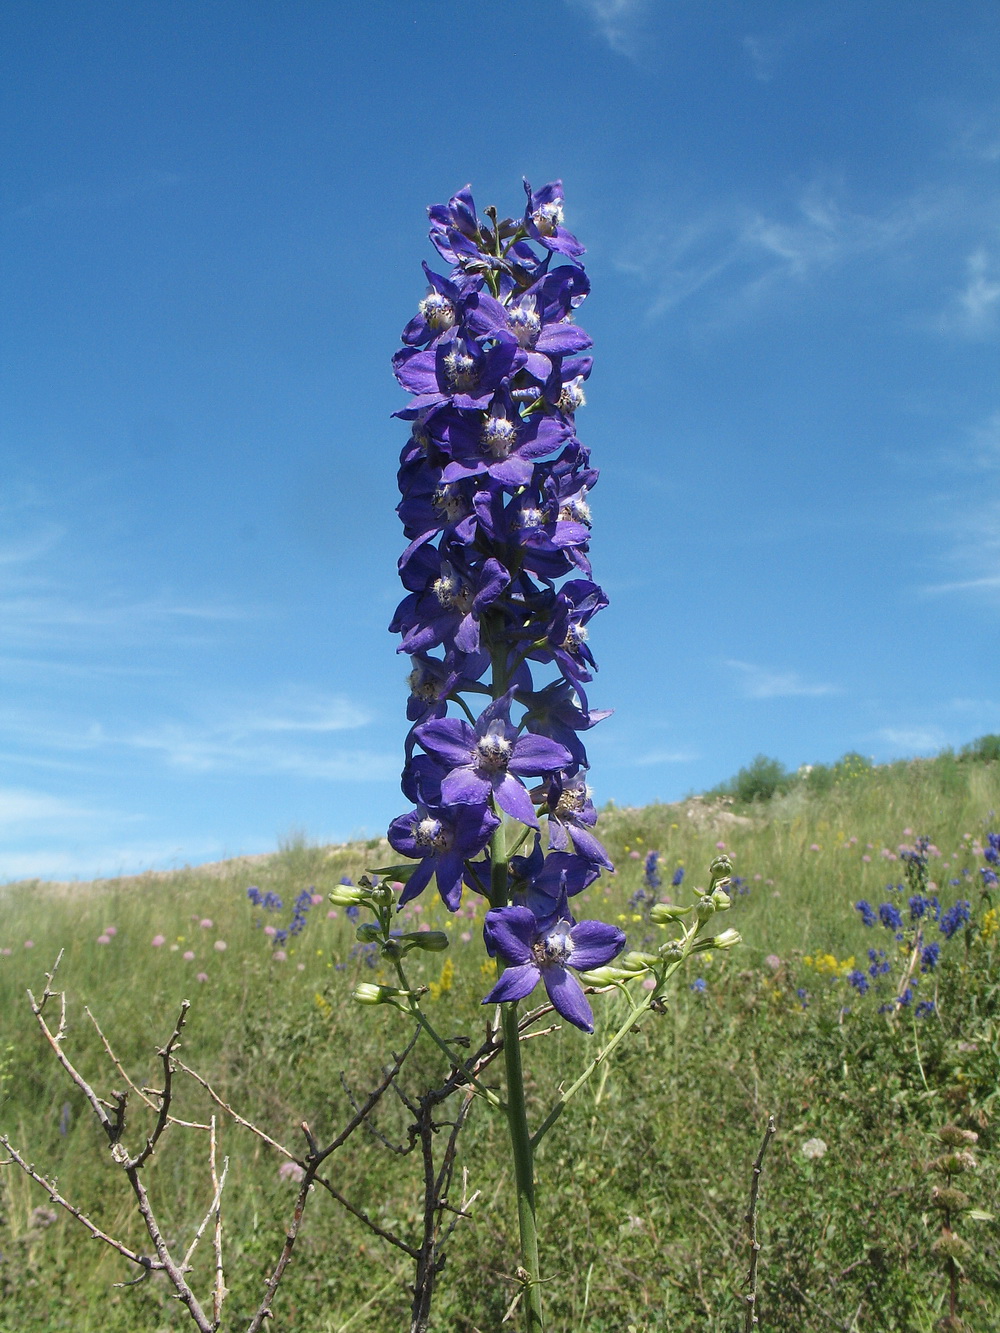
[[19, 808], [913, 738], [967, 522], [655, 757], [742, 254], [287, 734], [107, 861], [619, 22], [759, 683], [973, 310]]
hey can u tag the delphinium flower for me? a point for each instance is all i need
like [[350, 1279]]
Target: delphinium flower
[[868, 916], [954, 918], [499, 601], [651, 873], [495, 506], [537, 949]]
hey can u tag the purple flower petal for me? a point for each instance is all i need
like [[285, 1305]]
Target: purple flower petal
[[515, 984], [595, 943], [567, 995], [513, 798], [510, 932]]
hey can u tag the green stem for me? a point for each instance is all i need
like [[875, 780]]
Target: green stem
[[418, 1015], [635, 1015], [524, 1170]]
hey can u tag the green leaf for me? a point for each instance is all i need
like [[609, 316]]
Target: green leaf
[[977, 1215]]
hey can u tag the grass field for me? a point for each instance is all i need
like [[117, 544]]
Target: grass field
[[644, 1182]]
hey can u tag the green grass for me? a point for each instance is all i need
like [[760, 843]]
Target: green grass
[[643, 1183]]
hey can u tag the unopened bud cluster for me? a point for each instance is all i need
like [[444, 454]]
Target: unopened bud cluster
[[714, 899]]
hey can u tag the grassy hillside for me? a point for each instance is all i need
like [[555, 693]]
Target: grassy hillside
[[644, 1182]]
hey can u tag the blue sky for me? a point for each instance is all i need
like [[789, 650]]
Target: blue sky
[[212, 225]]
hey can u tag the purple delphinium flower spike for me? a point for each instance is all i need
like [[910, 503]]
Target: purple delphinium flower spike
[[542, 949]]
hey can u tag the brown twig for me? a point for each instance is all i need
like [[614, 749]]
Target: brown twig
[[50, 1188], [750, 1319], [140, 1092]]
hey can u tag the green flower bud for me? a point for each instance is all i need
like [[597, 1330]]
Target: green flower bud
[[661, 913], [949, 1245], [368, 933], [722, 900], [728, 939], [957, 1138], [639, 962], [347, 895], [434, 941], [606, 976], [720, 869], [950, 1200], [368, 993], [704, 909], [672, 949]]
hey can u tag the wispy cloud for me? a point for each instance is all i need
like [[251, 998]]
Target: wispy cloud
[[653, 758], [108, 859], [741, 254], [20, 808], [967, 522], [759, 683], [974, 309], [618, 22], [72, 199], [912, 738], [289, 734]]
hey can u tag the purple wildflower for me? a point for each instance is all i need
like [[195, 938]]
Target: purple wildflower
[[542, 949]]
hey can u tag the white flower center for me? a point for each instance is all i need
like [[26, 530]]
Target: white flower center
[[450, 502], [422, 686], [572, 801], [525, 324], [531, 517], [452, 592], [493, 751], [460, 368], [548, 218], [572, 397], [438, 311], [499, 436], [575, 635], [555, 947], [576, 509], [429, 832]]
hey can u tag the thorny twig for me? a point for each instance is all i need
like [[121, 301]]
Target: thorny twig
[[427, 1254], [750, 1319]]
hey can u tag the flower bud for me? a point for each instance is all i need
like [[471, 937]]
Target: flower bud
[[704, 909], [637, 961], [661, 913], [347, 895], [368, 993], [957, 1138], [722, 900], [434, 941], [606, 976], [728, 939], [951, 1246], [368, 933], [950, 1200], [720, 869]]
